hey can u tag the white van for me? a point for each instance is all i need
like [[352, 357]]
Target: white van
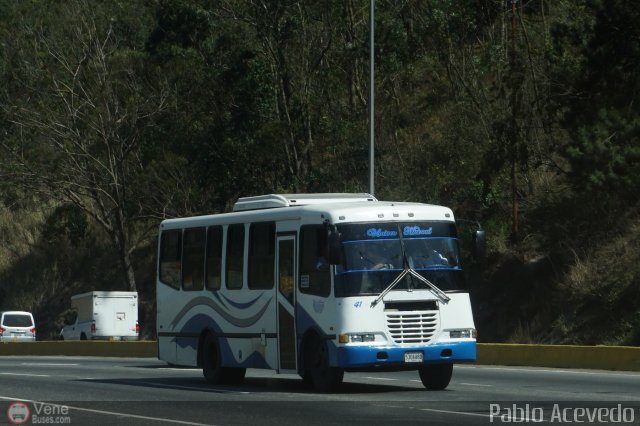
[[17, 326], [103, 315]]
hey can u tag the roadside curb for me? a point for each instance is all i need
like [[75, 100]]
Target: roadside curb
[[622, 358], [140, 349]]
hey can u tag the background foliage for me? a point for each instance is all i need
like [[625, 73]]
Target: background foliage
[[115, 115]]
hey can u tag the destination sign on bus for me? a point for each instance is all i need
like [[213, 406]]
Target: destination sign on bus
[[407, 231]]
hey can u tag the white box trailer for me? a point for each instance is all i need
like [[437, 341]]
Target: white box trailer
[[103, 315]]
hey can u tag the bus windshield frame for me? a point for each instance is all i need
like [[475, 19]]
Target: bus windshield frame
[[373, 257]]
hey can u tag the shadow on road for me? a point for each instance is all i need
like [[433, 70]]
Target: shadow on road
[[251, 385]]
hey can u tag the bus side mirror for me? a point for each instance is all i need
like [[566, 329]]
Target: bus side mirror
[[479, 244], [334, 249]]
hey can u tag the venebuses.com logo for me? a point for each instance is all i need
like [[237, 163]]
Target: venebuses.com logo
[[19, 413]]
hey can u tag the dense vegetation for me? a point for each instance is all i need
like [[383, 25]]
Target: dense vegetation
[[115, 115]]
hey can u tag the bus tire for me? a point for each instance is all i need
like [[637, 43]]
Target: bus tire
[[323, 377], [211, 365], [306, 376], [306, 358], [436, 376], [233, 376], [211, 369]]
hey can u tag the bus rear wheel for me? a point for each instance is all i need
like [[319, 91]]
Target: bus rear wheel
[[212, 369], [323, 377], [436, 376]]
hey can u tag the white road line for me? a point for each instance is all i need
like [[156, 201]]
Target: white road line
[[552, 370], [109, 413], [25, 374], [460, 413], [434, 410], [179, 369], [506, 419], [379, 378], [48, 364], [476, 384]]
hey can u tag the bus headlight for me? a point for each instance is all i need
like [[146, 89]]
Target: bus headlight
[[466, 333], [356, 338]]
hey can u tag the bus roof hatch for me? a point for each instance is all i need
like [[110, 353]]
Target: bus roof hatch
[[290, 200]]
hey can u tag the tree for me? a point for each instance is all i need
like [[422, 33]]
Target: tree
[[602, 109], [77, 137]]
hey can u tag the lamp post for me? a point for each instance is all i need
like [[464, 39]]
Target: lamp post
[[514, 124], [371, 99]]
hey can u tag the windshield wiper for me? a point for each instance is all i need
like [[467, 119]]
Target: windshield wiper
[[441, 295]]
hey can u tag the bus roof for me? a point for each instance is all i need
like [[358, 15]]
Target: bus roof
[[316, 208], [290, 200]]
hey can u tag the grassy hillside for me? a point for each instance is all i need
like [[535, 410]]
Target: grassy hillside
[[584, 289], [49, 254]]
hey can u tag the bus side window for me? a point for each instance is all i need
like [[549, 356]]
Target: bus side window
[[170, 258], [262, 240], [214, 257], [193, 259], [314, 271], [235, 256]]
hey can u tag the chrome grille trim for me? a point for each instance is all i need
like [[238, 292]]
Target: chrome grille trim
[[412, 327]]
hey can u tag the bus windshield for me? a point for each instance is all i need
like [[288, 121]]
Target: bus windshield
[[372, 257]]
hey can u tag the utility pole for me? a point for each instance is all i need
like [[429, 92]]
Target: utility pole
[[371, 99], [514, 133]]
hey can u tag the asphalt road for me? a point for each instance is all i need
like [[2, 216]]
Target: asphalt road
[[115, 391]]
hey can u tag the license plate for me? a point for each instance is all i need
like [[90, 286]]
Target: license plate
[[413, 357]]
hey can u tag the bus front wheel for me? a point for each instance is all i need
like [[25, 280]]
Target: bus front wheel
[[323, 377], [436, 376], [211, 368], [211, 365]]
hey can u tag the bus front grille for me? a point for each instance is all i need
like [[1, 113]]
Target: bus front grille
[[412, 327]]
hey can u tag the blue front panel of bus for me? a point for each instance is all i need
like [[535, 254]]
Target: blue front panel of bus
[[370, 356]]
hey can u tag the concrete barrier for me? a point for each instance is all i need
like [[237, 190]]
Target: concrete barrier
[[140, 349], [560, 356]]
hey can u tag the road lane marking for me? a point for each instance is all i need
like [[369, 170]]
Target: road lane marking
[[524, 369], [380, 378], [47, 375], [47, 364], [476, 384], [109, 413], [503, 418], [459, 413], [179, 369], [25, 374], [435, 410]]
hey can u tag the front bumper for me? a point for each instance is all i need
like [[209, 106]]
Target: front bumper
[[393, 356], [17, 338]]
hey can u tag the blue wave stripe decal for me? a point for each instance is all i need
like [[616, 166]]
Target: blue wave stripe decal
[[241, 305], [206, 301], [219, 299]]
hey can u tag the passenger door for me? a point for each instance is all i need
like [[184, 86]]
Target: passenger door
[[286, 296]]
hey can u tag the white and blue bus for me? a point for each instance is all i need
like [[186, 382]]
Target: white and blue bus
[[315, 284]]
